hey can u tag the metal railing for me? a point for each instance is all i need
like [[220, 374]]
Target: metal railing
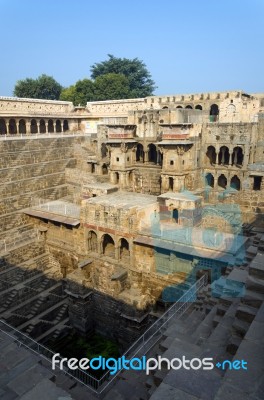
[[140, 347], [57, 207], [18, 136], [25, 341]]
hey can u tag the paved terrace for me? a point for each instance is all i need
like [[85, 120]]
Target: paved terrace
[[58, 210]]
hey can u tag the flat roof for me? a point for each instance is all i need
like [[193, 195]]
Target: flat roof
[[58, 210], [186, 196], [192, 240], [124, 200], [99, 185], [52, 217], [189, 249], [120, 140], [172, 141]]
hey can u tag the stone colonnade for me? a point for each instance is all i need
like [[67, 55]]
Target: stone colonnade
[[14, 126]]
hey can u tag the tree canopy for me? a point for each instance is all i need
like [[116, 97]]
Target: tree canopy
[[80, 93], [111, 86], [114, 78], [44, 87], [139, 78]]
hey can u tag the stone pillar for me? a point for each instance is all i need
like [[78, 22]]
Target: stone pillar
[[235, 157], [251, 153], [47, 126], [62, 126], [38, 124], [98, 169], [217, 158], [222, 156], [7, 128], [247, 153], [176, 185], [165, 183], [28, 127], [122, 176], [230, 157], [89, 167], [54, 126], [113, 177], [162, 183], [117, 253], [215, 181], [100, 246], [127, 178], [17, 127], [146, 157], [158, 157]]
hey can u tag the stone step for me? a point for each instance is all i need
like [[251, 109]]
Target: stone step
[[233, 344], [246, 313], [255, 284], [204, 330], [221, 309], [240, 327]]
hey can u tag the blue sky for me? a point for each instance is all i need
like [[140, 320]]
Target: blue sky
[[188, 46]]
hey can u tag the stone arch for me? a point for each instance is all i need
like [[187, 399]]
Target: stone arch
[[222, 181], [3, 130], [209, 180], [22, 126], [224, 155], [237, 156], [198, 107], [175, 215], [235, 183], [108, 245], [152, 153], [124, 249], [104, 169], [231, 109], [214, 109], [189, 107], [179, 107], [160, 158], [92, 241], [211, 155], [58, 125], [140, 153], [214, 112], [50, 126], [42, 126], [103, 150], [165, 108], [33, 126], [12, 126], [171, 183], [92, 168], [131, 178], [65, 125]]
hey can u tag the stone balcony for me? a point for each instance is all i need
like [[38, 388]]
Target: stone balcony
[[121, 131]]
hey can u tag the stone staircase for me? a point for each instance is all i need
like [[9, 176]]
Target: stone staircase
[[222, 327]]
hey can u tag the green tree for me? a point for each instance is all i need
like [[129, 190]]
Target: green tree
[[44, 87], [68, 94], [139, 78], [80, 93], [111, 87]]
